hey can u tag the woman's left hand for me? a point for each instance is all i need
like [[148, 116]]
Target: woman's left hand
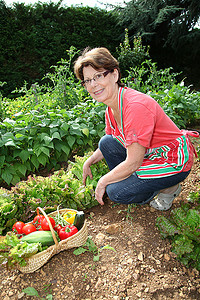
[[99, 192]]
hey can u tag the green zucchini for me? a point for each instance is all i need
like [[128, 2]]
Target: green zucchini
[[43, 237], [79, 219]]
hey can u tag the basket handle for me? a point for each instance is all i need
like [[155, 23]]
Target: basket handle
[[50, 226]]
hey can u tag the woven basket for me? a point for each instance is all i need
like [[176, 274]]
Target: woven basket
[[38, 260]]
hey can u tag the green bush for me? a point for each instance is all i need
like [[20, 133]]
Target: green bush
[[131, 57]]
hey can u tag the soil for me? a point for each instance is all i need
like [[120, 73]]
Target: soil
[[142, 267]]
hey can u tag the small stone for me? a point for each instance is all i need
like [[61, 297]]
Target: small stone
[[99, 238], [130, 261], [21, 295], [152, 270], [113, 228], [141, 256], [136, 276], [167, 257]]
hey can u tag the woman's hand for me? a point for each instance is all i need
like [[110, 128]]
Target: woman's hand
[[94, 158], [100, 190], [86, 171]]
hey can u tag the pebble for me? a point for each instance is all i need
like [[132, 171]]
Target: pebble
[[21, 295], [113, 228], [141, 256]]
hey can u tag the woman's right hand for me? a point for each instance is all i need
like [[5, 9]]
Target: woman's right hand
[[86, 171], [93, 159]]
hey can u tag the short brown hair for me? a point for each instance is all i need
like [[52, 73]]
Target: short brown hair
[[98, 58]]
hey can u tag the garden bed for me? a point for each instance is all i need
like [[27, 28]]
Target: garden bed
[[143, 266]]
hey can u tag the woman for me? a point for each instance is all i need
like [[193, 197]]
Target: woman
[[145, 151]]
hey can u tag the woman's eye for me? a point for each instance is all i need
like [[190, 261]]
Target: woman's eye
[[98, 76]]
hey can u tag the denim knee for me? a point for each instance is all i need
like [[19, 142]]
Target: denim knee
[[105, 141], [123, 195]]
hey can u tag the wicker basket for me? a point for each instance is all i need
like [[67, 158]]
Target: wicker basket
[[38, 260]]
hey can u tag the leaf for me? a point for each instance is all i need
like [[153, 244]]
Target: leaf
[[96, 258], [10, 143], [6, 176], [24, 155], [35, 161], [65, 149], [85, 131], [108, 247], [79, 251], [30, 291], [56, 135], [49, 297], [21, 168], [42, 159], [71, 140]]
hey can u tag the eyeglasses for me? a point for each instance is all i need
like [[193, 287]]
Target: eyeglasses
[[97, 78]]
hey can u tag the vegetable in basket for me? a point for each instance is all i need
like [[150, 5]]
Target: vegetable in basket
[[67, 231], [43, 237]]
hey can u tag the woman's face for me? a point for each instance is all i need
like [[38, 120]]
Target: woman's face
[[104, 88]]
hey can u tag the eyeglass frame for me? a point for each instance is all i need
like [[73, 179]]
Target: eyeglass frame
[[105, 73]]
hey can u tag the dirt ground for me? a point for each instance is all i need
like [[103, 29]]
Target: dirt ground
[[143, 266]]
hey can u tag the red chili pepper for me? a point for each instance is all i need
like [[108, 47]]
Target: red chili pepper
[[67, 231]]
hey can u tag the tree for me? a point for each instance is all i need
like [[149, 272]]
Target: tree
[[167, 26]]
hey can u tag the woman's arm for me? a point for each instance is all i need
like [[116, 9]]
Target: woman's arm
[[134, 159], [94, 158]]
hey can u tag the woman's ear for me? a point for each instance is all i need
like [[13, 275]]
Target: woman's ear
[[116, 74]]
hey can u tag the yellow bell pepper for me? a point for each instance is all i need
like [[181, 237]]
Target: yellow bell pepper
[[69, 216]]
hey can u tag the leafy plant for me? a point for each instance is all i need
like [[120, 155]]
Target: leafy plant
[[13, 252], [64, 188], [31, 291], [131, 57], [183, 230], [147, 77], [90, 246], [180, 103], [31, 140]]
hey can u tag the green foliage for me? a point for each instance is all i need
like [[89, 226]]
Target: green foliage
[[64, 188], [67, 92], [31, 291], [148, 77], [13, 252], [130, 58], [28, 140], [180, 104], [42, 32], [183, 230], [92, 248]]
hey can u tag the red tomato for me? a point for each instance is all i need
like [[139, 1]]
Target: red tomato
[[45, 225], [37, 221], [58, 228], [17, 227], [28, 228]]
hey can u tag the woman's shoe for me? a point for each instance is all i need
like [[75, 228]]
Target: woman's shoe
[[164, 201]]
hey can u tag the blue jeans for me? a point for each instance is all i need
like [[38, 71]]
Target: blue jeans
[[132, 189]]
